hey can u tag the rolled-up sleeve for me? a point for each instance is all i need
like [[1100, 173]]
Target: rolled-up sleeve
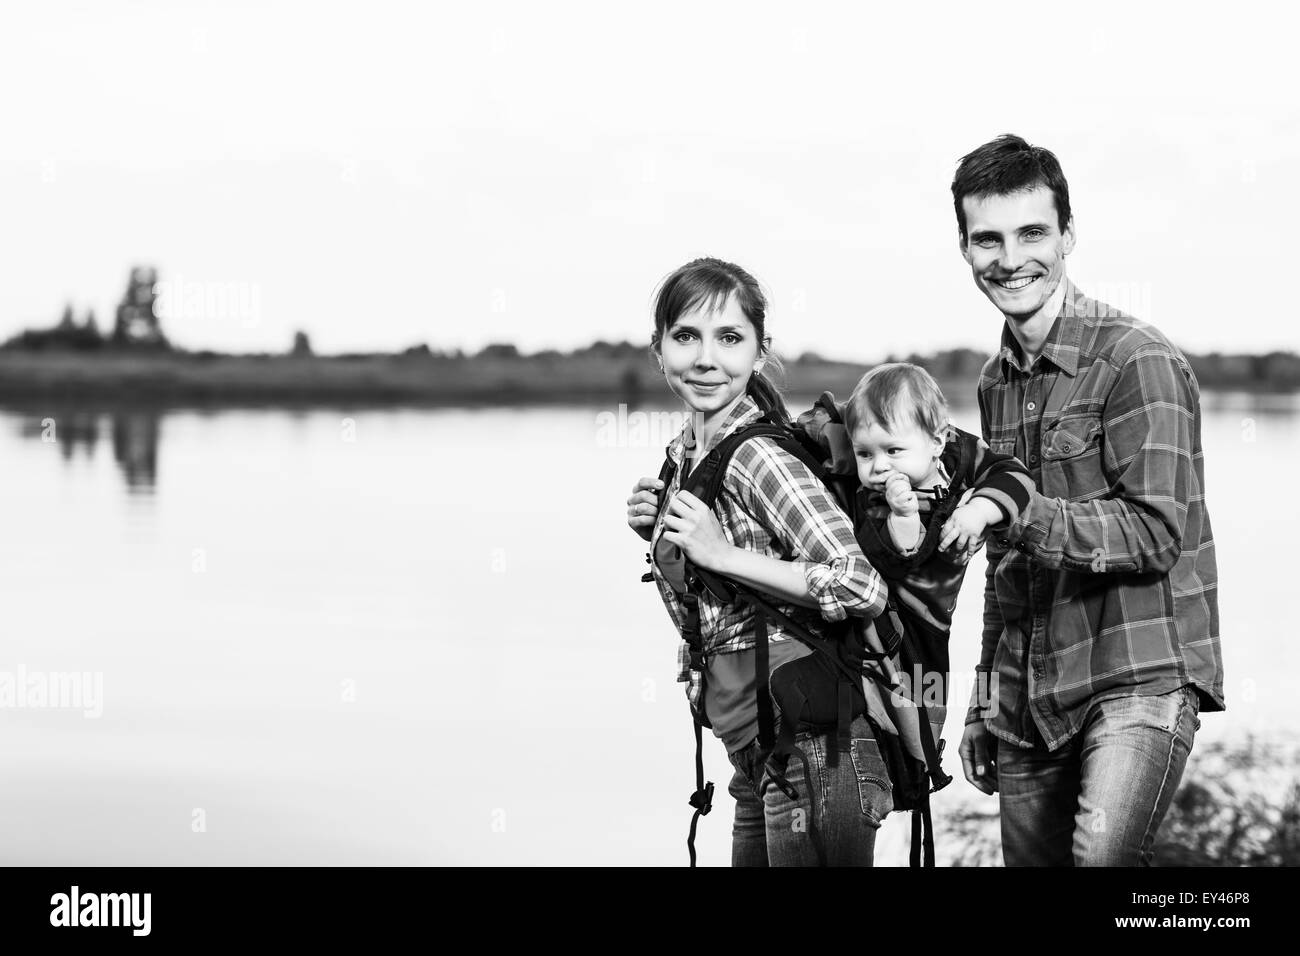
[[783, 495]]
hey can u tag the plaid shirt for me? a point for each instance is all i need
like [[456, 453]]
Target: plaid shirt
[[1105, 585], [771, 503]]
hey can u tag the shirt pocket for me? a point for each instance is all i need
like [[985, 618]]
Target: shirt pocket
[[1003, 446], [1072, 460]]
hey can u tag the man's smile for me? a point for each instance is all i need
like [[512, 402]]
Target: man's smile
[[1015, 284]]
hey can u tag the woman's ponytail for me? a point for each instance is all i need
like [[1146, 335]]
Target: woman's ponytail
[[766, 395]]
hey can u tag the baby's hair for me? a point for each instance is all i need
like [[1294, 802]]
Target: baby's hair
[[897, 393]]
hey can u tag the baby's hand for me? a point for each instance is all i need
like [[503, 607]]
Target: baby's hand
[[965, 528], [900, 497]]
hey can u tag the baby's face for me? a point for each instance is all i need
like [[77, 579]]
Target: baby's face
[[907, 449]]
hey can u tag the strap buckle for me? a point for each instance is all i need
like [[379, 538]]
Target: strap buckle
[[702, 800]]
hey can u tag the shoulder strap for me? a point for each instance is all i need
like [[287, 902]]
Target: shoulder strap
[[966, 452], [667, 471], [705, 479]]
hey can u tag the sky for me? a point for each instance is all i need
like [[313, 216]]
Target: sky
[[382, 175]]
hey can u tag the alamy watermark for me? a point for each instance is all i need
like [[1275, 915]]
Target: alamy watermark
[[53, 690], [935, 689], [76, 908], [638, 429], [179, 300]]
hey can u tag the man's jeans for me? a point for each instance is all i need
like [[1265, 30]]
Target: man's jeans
[[1099, 799], [851, 801]]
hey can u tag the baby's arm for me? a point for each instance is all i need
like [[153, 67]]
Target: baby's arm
[[904, 521], [966, 526], [1000, 487]]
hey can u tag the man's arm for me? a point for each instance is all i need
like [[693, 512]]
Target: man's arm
[[1147, 444], [992, 634], [993, 623]]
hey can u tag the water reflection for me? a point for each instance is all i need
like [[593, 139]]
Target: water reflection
[[135, 430], [76, 433], [71, 433], [135, 448]]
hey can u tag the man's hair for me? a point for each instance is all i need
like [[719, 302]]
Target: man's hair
[[1008, 165], [894, 394]]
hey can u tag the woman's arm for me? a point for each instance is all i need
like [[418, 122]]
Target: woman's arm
[[828, 571], [695, 529]]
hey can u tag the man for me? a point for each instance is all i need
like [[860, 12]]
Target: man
[[1101, 632]]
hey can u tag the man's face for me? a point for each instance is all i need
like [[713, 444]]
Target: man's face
[[1016, 249]]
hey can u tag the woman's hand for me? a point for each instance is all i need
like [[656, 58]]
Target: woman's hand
[[643, 506], [692, 526]]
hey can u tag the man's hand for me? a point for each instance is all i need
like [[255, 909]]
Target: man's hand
[[643, 506], [979, 757], [965, 528], [900, 497]]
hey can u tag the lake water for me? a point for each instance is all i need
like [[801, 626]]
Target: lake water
[[420, 637]]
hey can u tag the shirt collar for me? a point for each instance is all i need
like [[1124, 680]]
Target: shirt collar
[[745, 411], [1061, 347]]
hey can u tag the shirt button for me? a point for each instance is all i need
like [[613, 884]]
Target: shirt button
[[1033, 459], [1030, 406]]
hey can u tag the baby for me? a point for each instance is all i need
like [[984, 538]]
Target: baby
[[930, 492], [926, 495], [908, 453]]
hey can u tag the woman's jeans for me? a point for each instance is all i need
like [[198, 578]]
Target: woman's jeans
[[849, 801], [1099, 799]]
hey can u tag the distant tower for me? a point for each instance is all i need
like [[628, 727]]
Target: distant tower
[[136, 323]]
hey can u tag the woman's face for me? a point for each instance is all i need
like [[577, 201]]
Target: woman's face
[[709, 356]]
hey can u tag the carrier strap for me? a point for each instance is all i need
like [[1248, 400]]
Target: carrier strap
[[766, 718], [702, 798], [938, 779], [922, 836]]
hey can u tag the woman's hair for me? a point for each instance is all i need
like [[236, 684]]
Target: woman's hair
[[897, 393], [709, 283]]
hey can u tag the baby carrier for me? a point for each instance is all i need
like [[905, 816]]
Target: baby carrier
[[853, 671]]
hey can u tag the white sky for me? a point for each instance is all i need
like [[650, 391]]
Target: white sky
[[381, 175]]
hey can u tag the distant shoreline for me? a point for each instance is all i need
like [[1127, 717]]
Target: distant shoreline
[[209, 380]]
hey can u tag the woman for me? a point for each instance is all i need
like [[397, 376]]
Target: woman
[[778, 530]]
